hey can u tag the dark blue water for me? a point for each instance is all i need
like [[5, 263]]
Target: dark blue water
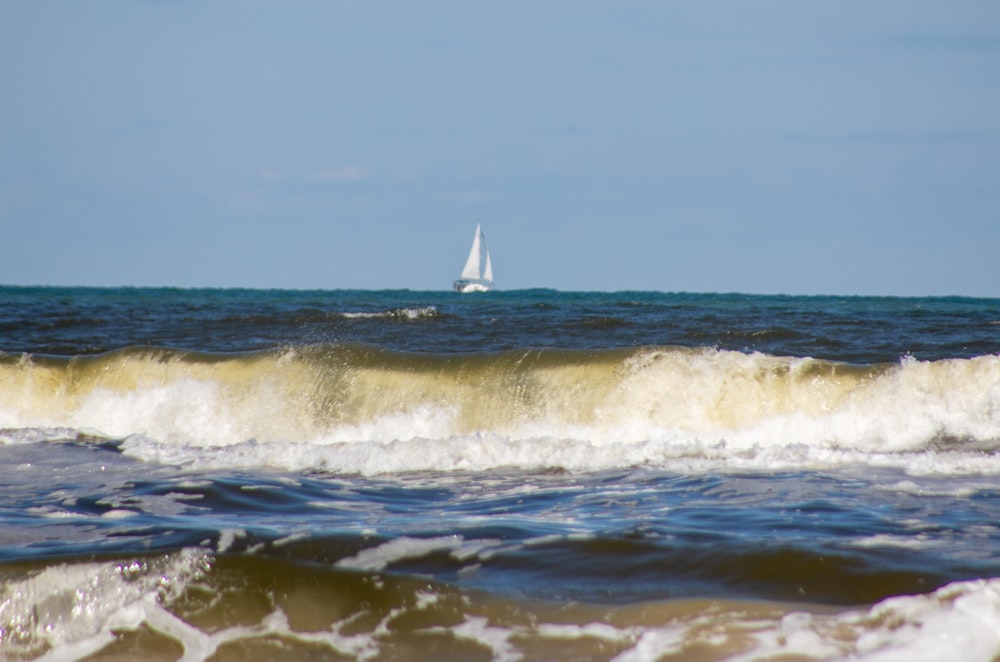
[[72, 321]]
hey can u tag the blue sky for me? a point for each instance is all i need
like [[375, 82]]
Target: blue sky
[[767, 147]]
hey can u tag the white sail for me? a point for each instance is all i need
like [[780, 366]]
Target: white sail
[[476, 278], [471, 270], [488, 271]]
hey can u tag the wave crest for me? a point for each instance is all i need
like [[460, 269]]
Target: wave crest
[[367, 409]]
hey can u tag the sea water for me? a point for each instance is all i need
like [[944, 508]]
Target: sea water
[[243, 474]]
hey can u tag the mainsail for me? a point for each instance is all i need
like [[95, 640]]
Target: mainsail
[[471, 270]]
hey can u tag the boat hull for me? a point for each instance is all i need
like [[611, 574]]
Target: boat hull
[[466, 286]]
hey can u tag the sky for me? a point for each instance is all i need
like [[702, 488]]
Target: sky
[[773, 146]]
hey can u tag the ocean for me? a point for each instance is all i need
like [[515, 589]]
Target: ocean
[[517, 475]]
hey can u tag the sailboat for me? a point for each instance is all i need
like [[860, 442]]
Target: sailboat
[[472, 279]]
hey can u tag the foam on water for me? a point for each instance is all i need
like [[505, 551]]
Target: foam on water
[[369, 411], [403, 314], [71, 611], [377, 558]]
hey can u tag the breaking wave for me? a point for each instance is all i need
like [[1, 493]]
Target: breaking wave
[[360, 409]]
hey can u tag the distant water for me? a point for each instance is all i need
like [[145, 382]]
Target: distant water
[[248, 474]]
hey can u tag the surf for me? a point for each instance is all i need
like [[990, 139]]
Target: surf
[[194, 603], [358, 408]]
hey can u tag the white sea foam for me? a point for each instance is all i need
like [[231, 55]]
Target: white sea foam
[[497, 639], [397, 313], [688, 409], [480, 454], [957, 622], [72, 611], [589, 630], [915, 541], [227, 537], [398, 549]]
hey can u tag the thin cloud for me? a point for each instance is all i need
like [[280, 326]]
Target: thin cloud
[[269, 174], [347, 173]]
